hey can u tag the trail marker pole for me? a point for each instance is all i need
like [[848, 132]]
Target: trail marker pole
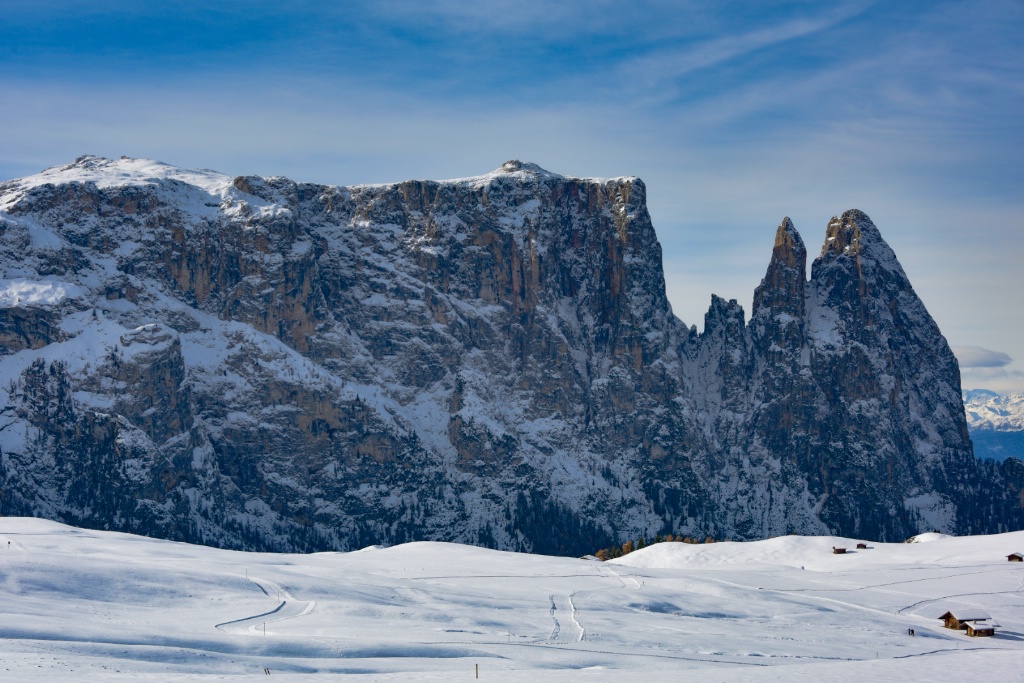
[[477, 671]]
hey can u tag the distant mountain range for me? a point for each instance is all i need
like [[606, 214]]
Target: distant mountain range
[[996, 423], [261, 363]]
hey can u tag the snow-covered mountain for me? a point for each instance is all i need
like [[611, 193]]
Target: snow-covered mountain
[[991, 411], [996, 423], [255, 362]]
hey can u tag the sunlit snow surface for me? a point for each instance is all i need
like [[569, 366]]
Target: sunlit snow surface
[[95, 606]]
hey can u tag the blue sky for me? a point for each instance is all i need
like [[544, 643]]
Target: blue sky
[[735, 114]]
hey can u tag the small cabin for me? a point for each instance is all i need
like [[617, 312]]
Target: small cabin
[[1015, 557], [974, 621], [838, 551], [980, 629], [862, 546]]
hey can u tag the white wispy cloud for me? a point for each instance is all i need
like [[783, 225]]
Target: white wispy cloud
[[908, 113], [979, 357], [658, 71]]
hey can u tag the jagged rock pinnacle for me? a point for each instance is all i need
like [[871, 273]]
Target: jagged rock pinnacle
[[853, 235], [782, 288], [845, 233], [789, 247]]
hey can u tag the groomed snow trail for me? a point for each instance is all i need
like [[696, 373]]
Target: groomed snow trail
[[580, 632], [287, 608], [556, 627], [636, 584], [574, 631]]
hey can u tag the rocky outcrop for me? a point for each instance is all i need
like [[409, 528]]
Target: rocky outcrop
[[254, 362], [26, 328]]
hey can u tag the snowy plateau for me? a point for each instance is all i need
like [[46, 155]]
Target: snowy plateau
[[98, 606], [269, 365]]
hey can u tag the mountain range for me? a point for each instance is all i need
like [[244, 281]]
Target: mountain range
[[996, 424], [260, 363]]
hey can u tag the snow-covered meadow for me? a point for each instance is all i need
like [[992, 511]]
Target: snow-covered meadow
[[94, 606]]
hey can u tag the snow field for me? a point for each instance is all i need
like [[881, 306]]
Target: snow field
[[96, 606]]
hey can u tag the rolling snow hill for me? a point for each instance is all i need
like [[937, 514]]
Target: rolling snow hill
[[98, 606]]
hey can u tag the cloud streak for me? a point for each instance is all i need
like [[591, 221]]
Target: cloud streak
[[978, 357], [660, 70]]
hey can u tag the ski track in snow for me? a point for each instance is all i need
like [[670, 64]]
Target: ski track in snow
[[575, 632], [820, 598], [602, 570], [7, 543], [921, 603], [892, 583], [556, 628], [287, 608], [911, 609], [631, 577], [581, 633]]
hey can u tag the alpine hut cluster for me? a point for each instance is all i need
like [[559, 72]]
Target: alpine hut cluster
[[975, 622]]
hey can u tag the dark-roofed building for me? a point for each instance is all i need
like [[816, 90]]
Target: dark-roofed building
[[978, 629], [974, 621]]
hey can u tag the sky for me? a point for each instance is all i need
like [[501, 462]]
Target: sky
[[735, 114]]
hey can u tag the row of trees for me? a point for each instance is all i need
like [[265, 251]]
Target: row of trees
[[629, 546]]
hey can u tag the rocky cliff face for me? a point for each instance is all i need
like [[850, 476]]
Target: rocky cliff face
[[254, 362]]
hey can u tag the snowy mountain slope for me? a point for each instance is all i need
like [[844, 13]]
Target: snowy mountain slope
[[996, 423], [258, 363], [100, 606], [987, 410]]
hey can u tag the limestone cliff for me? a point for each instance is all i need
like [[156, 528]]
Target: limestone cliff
[[255, 362]]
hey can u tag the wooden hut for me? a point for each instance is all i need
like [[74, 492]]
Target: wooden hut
[[862, 546], [838, 551], [1015, 557], [960, 619], [980, 629]]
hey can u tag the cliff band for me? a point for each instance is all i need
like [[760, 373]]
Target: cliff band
[[258, 363]]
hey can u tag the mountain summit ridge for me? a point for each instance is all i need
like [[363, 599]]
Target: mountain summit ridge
[[255, 362]]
